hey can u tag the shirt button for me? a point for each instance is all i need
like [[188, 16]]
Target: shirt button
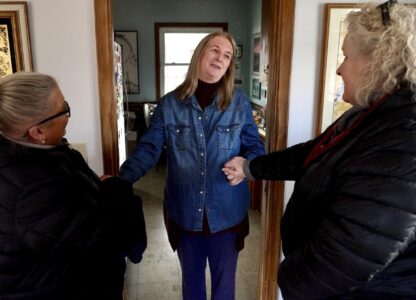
[[228, 129], [199, 210], [177, 130], [202, 154], [199, 118], [201, 135], [201, 192], [202, 173]]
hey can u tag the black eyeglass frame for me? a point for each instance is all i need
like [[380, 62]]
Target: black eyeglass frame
[[67, 111]]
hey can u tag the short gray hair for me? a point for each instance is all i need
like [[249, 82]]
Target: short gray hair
[[24, 100]]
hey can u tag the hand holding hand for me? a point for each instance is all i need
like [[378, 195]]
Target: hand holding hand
[[233, 169], [104, 177]]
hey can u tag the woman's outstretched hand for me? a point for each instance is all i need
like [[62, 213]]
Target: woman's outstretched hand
[[233, 169]]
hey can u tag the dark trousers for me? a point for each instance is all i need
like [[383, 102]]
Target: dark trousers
[[220, 251]]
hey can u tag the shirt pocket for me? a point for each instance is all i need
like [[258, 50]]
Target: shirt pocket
[[179, 136], [228, 136]]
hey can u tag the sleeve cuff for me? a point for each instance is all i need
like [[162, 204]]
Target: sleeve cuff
[[246, 170]]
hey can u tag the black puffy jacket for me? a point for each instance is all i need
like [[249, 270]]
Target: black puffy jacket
[[348, 231], [63, 232]]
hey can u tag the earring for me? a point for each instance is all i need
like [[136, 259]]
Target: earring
[[43, 141]]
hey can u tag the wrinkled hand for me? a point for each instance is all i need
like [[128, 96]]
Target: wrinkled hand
[[233, 169]]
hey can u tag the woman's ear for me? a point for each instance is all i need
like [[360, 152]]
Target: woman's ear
[[37, 135]]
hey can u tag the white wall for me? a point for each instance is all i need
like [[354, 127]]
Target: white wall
[[305, 69], [62, 36]]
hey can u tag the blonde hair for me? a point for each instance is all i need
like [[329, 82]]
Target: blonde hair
[[24, 100], [188, 86], [391, 50]]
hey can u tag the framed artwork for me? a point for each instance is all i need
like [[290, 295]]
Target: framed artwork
[[331, 88], [15, 51], [128, 40], [256, 54], [239, 52], [237, 73], [256, 88]]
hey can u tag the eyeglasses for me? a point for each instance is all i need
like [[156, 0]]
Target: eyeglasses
[[66, 111]]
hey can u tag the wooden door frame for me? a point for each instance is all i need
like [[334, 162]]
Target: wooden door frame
[[280, 15], [280, 39], [105, 67]]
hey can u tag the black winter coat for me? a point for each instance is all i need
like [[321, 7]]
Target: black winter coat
[[348, 231], [63, 232]]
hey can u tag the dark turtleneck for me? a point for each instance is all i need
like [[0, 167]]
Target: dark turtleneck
[[205, 92]]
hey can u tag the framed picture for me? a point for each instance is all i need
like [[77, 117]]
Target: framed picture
[[331, 87], [256, 88], [256, 54], [239, 52], [15, 51], [128, 40], [237, 73]]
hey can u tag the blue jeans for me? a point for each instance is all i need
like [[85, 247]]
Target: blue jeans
[[220, 250]]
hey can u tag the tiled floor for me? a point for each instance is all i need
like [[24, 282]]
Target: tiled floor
[[158, 276]]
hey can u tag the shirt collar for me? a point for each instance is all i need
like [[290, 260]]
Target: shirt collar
[[27, 144]]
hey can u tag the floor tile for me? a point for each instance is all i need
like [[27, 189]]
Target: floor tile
[[159, 291]]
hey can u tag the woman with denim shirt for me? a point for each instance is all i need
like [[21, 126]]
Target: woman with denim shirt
[[203, 123]]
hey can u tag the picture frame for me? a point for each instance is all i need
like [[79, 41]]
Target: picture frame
[[256, 54], [128, 40], [331, 106], [15, 49], [256, 88], [239, 51], [238, 80]]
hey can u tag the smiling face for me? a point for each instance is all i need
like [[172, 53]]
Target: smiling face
[[350, 69], [215, 60]]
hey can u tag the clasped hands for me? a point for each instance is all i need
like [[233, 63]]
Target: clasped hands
[[233, 169]]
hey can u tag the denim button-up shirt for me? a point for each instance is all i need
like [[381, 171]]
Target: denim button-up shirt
[[198, 144]]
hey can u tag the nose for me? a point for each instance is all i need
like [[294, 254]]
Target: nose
[[338, 71]]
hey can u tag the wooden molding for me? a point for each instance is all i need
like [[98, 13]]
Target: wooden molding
[[280, 15], [105, 65]]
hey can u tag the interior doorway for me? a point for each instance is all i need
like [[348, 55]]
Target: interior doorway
[[279, 17]]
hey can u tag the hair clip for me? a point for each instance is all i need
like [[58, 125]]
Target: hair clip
[[385, 11]]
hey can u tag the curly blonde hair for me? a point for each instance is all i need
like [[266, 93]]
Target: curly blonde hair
[[188, 87], [391, 50]]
